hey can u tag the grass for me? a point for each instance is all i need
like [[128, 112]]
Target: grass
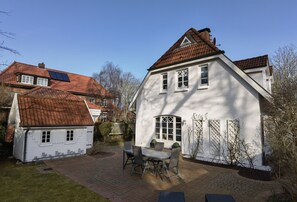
[[26, 183]]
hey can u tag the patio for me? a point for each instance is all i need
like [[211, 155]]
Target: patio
[[105, 176]]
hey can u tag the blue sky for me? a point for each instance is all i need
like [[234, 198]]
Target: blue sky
[[80, 36]]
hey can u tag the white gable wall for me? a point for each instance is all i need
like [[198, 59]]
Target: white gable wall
[[58, 146], [228, 97]]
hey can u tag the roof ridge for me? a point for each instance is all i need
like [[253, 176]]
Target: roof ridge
[[211, 45]]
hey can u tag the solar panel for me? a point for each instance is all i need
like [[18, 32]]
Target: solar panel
[[59, 76]]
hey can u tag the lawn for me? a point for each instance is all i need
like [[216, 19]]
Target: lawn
[[27, 183]]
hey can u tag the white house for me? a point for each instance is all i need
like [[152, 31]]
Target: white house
[[195, 79], [50, 124]]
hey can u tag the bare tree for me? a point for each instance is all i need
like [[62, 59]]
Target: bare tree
[[6, 35], [121, 84], [281, 122], [129, 86]]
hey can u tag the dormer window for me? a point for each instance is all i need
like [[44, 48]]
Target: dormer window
[[185, 42], [42, 81], [27, 79]]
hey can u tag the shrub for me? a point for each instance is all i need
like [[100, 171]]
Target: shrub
[[175, 145], [153, 142], [104, 129]]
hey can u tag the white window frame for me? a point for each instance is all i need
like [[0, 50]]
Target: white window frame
[[46, 137], [27, 79], [176, 128], [104, 102], [42, 81], [164, 82], [69, 135], [203, 77], [185, 42], [184, 75]]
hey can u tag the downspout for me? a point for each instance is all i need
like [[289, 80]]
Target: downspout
[[25, 145]]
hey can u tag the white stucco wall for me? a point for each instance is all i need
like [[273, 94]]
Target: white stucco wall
[[228, 97], [58, 146]]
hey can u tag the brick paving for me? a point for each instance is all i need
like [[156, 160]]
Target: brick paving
[[106, 177]]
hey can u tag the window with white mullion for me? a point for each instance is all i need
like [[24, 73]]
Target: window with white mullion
[[182, 79], [168, 128], [164, 82], [42, 81], [27, 79], [46, 137]]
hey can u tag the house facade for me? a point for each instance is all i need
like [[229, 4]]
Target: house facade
[[21, 78], [196, 96], [49, 126]]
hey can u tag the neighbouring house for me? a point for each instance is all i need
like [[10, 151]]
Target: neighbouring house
[[196, 96], [47, 123], [21, 77]]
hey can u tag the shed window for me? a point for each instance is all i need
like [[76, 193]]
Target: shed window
[[69, 136], [46, 137]]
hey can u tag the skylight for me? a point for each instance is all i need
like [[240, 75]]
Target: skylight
[[58, 76]]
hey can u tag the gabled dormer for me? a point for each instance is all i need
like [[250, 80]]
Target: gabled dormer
[[185, 42]]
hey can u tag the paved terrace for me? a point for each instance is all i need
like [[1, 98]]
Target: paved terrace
[[106, 177]]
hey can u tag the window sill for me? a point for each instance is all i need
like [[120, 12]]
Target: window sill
[[70, 142], [180, 90], [203, 87], [163, 92], [45, 144]]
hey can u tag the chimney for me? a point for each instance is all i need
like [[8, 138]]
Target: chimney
[[205, 34], [41, 65]]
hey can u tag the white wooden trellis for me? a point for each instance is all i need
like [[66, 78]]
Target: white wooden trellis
[[214, 137], [233, 136], [198, 132]]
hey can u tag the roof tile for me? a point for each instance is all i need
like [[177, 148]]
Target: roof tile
[[200, 46], [255, 62]]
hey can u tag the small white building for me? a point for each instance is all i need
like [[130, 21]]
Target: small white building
[[50, 125], [195, 87]]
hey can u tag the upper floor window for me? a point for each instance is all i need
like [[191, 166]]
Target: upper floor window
[[182, 79], [164, 82], [92, 100], [27, 79], [46, 137], [204, 83], [42, 81], [104, 102], [69, 136], [168, 128]]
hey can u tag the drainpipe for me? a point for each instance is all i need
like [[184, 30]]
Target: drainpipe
[[25, 145]]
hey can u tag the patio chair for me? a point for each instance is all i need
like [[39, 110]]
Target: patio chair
[[139, 161], [128, 146], [159, 146], [173, 163]]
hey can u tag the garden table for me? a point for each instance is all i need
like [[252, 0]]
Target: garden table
[[147, 152]]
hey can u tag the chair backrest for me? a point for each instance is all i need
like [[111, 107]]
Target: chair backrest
[[127, 145], [137, 152], [174, 158], [159, 146]]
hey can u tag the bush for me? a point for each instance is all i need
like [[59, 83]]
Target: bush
[[102, 130], [175, 145], [153, 142]]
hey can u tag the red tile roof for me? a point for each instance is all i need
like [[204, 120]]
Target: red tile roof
[[41, 112], [255, 62], [200, 46], [46, 92], [78, 84]]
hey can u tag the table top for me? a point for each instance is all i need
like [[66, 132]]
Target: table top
[[161, 155]]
